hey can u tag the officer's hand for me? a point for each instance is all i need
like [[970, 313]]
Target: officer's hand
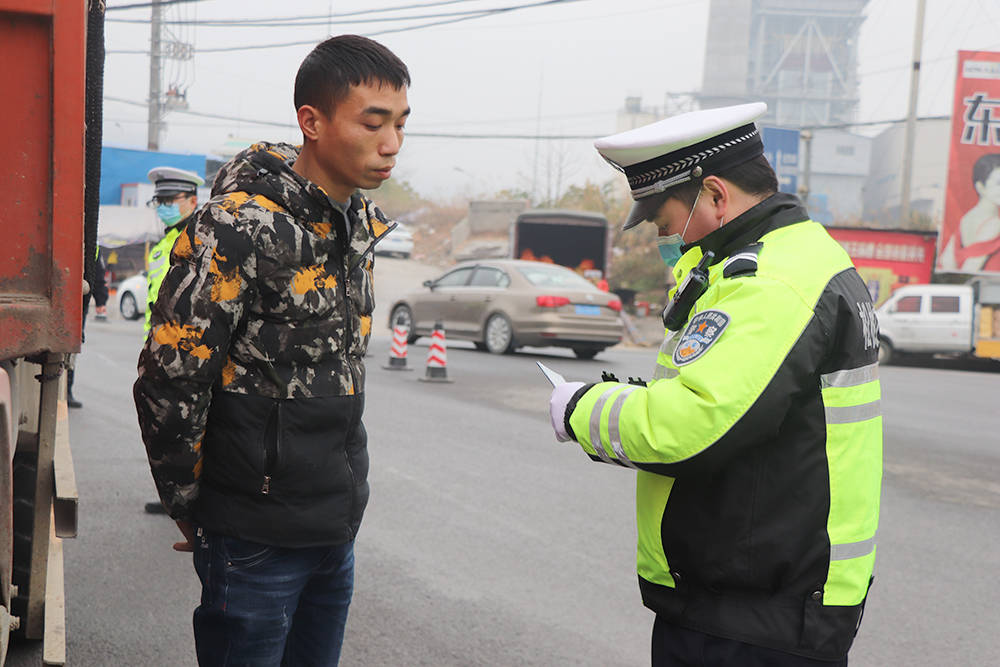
[[557, 407]]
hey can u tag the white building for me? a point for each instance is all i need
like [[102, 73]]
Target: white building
[[838, 170], [930, 173]]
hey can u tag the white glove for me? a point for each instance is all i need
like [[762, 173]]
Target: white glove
[[557, 407]]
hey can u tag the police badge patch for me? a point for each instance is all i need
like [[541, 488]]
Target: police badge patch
[[701, 333]]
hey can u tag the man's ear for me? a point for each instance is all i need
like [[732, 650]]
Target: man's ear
[[309, 117], [718, 192]]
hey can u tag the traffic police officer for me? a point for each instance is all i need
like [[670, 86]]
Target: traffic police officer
[[758, 442], [175, 198]]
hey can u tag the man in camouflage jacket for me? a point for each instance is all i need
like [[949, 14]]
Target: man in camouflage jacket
[[258, 339], [251, 383]]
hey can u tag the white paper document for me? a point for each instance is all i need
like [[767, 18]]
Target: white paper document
[[551, 375]]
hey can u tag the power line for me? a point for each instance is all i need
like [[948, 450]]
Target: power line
[[453, 135], [142, 5], [334, 21], [322, 19], [481, 13]]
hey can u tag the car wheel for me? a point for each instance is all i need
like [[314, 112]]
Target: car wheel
[[499, 335], [885, 352], [586, 352], [128, 307], [403, 316]]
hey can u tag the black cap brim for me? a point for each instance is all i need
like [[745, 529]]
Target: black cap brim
[[644, 209]]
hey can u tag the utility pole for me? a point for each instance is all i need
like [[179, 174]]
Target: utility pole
[[806, 136], [911, 118], [155, 83]]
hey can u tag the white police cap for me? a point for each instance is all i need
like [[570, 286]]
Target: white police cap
[[172, 181], [675, 150]]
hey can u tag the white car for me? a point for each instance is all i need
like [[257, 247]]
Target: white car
[[132, 297], [399, 242]]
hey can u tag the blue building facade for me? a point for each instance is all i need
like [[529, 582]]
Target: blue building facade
[[130, 165]]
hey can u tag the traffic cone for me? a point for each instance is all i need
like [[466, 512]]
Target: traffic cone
[[397, 351], [437, 357]]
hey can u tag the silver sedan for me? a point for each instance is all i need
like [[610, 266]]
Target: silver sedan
[[501, 305]]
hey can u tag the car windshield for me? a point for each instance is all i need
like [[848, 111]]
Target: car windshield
[[541, 275]]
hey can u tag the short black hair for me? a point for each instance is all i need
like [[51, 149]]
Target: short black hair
[[754, 177], [326, 75], [984, 166]]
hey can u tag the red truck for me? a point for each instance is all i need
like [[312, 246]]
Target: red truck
[[51, 63]]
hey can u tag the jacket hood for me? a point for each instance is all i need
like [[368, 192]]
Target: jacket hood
[[266, 169]]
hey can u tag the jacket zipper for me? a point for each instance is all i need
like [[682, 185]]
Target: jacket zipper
[[354, 482], [271, 447], [348, 348]]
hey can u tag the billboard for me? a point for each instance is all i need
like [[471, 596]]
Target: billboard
[[887, 259], [781, 148], [970, 229]]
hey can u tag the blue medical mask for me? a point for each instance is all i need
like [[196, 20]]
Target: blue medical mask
[[670, 248], [670, 245], [169, 213]]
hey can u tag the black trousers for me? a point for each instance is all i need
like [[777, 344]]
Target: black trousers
[[674, 646]]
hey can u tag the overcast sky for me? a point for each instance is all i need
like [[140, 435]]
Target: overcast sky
[[564, 69]]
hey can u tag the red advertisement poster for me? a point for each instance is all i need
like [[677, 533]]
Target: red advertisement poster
[[970, 230], [888, 259]]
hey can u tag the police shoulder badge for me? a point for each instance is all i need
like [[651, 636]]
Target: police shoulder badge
[[701, 333]]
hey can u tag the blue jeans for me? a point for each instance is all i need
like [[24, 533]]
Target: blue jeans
[[268, 606]]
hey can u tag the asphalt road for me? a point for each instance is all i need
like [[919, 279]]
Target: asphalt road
[[488, 543]]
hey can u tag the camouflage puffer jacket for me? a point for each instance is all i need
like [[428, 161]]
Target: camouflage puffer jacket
[[250, 389]]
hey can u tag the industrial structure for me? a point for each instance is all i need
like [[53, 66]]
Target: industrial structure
[[799, 56]]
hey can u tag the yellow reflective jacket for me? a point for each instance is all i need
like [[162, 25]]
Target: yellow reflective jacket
[[159, 262], [758, 448]]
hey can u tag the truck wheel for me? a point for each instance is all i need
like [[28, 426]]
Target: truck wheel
[[128, 307], [499, 335], [885, 352], [24, 471], [586, 352]]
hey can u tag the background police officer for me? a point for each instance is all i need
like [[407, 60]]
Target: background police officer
[[758, 443], [175, 199]]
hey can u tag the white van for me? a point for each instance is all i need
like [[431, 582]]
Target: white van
[[937, 319]]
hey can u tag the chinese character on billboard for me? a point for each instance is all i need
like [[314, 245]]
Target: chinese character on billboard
[[970, 231]]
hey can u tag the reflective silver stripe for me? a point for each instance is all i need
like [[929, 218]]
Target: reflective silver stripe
[[159, 263], [670, 341], [850, 550], [614, 435], [850, 378], [661, 372], [853, 413], [751, 256], [595, 424]]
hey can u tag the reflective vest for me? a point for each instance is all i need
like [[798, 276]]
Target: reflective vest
[[159, 262], [758, 447]]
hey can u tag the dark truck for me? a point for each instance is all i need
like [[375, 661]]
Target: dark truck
[[575, 239]]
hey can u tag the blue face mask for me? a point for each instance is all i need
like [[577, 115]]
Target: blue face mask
[[670, 248], [169, 213], [670, 245]]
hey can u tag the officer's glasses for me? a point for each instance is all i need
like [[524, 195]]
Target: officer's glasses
[[166, 199]]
